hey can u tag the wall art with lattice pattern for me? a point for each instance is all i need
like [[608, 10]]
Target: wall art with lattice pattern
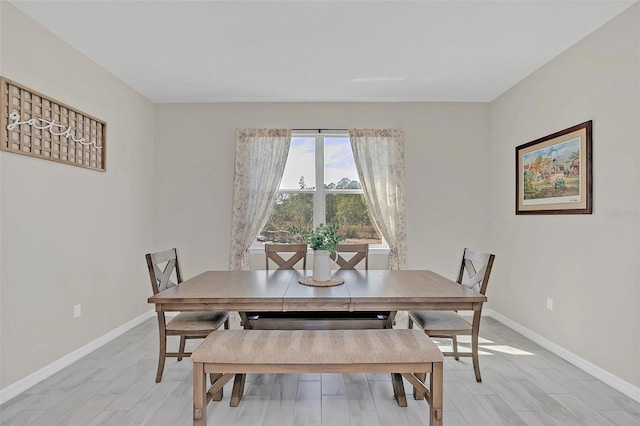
[[35, 125]]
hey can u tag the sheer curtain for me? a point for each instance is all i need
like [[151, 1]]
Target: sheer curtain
[[261, 155], [379, 157]]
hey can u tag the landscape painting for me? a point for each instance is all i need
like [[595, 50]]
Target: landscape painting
[[554, 173]]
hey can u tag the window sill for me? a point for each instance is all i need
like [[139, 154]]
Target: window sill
[[375, 251]]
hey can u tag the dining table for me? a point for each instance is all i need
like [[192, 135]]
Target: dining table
[[282, 291]]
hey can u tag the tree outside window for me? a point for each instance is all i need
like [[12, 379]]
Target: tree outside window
[[339, 200]]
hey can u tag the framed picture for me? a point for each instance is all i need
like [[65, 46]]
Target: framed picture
[[554, 173]]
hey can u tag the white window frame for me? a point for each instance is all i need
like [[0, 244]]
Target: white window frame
[[319, 193]]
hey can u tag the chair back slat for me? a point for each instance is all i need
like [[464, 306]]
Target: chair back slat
[[477, 268], [273, 251], [163, 256], [360, 253], [475, 256], [162, 266]]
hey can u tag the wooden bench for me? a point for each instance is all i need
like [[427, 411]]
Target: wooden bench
[[226, 353]]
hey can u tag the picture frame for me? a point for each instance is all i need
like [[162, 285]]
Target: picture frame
[[554, 174]]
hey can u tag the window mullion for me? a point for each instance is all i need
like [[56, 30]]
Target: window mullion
[[318, 204]]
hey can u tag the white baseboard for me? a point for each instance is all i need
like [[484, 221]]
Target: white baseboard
[[49, 370], [615, 382]]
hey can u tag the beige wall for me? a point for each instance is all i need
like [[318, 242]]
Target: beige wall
[[588, 264], [71, 235], [445, 153]]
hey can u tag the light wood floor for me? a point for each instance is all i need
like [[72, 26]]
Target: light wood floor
[[523, 384]]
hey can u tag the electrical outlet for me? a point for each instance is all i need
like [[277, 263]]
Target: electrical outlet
[[549, 303], [77, 310]]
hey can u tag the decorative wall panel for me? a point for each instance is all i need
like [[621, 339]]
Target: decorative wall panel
[[35, 125]]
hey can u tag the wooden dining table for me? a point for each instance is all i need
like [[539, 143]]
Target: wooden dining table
[[281, 291]]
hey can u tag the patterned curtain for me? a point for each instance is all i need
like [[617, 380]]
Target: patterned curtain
[[379, 156], [261, 155]]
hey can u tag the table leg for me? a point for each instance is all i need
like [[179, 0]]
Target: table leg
[[218, 395], [398, 389], [416, 393], [238, 389]]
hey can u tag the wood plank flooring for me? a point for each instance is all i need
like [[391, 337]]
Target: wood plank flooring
[[523, 384]]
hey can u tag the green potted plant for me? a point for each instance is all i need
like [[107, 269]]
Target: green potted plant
[[323, 240]]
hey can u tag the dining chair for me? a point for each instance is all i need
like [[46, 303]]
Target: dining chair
[[450, 324], [294, 253], [348, 256], [164, 268]]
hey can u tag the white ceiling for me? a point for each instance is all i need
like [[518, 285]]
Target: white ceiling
[[216, 51]]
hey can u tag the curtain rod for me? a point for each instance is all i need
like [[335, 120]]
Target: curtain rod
[[319, 130]]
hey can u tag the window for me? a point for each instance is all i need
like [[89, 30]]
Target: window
[[339, 200]]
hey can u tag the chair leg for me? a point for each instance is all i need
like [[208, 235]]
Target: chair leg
[[183, 341], [409, 322], [162, 352], [454, 343], [226, 324], [474, 355]]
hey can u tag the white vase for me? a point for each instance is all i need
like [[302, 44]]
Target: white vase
[[321, 265]]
